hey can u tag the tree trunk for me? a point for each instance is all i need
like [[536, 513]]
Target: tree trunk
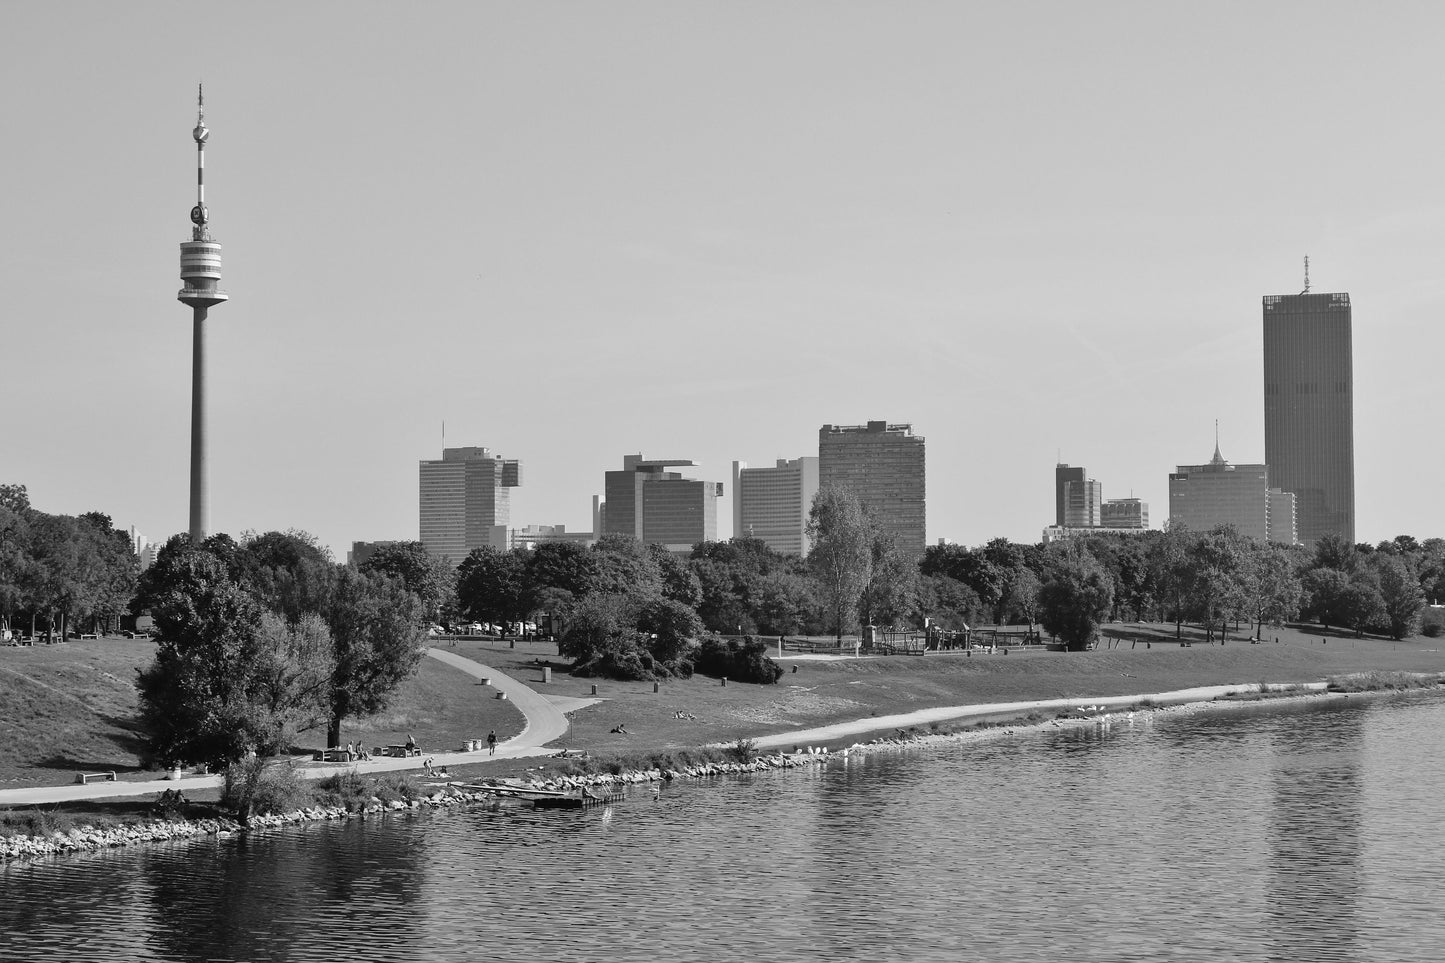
[[333, 733]]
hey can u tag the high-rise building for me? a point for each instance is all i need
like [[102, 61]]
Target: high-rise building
[[1124, 513], [658, 506], [466, 502], [773, 503], [1063, 475], [1083, 504], [884, 465], [1202, 497], [200, 273], [1309, 411]]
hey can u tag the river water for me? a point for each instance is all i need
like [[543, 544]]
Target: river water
[[1306, 833]]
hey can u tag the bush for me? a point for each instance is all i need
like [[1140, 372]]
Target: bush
[[252, 787], [349, 790], [745, 661], [397, 788], [744, 750], [1432, 623]]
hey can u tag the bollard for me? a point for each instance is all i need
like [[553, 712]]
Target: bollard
[[725, 682], [502, 696], [546, 673], [594, 688], [486, 680], [657, 687]]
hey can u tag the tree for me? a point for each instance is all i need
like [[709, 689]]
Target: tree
[[492, 586], [199, 699], [670, 628], [1076, 597], [1216, 569], [841, 558], [1400, 595], [679, 583], [890, 595], [1271, 589], [377, 636], [429, 578], [293, 669]]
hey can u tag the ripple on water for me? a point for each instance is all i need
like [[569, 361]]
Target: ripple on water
[[1302, 834]]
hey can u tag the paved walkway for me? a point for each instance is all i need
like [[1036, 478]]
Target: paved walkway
[[545, 722], [923, 717]]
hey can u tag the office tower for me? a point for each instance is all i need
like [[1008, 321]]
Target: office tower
[[1083, 504], [466, 502], [1124, 513], [200, 273], [1204, 496], [658, 506], [884, 466], [772, 504], [1063, 475], [1309, 419]]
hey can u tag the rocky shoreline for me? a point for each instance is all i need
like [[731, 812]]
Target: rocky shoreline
[[491, 791], [91, 839]]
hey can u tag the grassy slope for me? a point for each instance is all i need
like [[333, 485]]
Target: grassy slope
[[65, 708], [70, 707], [821, 692]]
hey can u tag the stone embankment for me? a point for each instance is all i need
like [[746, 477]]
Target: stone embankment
[[90, 839]]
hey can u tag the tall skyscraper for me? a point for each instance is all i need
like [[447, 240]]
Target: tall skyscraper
[[1063, 475], [658, 506], [1078, 501], [1204, 496], [773, 503], [1309, 409], [200, 273], [884, 465], [466, 502]]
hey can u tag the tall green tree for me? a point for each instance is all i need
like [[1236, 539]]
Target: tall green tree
[[377, 637], [841, 557], [429, 578], [493, 586], [1401, 597], [1076, 596]]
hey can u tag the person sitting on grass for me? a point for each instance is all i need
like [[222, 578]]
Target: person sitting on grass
[[621, 729]]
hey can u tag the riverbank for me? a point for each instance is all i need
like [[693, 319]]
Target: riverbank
[[579, 774]]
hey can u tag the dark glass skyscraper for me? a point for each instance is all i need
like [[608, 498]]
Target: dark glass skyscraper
[[1309, 409]]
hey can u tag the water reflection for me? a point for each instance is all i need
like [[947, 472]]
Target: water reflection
[[1248, 835], [1314, 840]]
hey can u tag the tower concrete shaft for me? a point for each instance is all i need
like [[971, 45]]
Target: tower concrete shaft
[[200, 272]]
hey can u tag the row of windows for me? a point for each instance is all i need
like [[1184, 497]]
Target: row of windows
[[1308, 388]]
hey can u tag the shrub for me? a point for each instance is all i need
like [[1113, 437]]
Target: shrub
[[253, 787], [745, 660], [397, 788], [744, 750], [349, 790]]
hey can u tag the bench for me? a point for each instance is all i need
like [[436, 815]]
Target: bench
[[84, 777], [335, 755], [400, 751]]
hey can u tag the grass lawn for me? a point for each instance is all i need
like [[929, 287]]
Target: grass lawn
[[823, 691], [71, 707]]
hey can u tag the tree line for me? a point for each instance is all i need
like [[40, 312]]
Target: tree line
[[61, 571]]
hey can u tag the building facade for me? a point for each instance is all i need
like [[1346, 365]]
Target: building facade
[[1063, 476], [466, 502], [531, 536], [646, 500], [1309, 409], [885, 466], [1124, 513], [361, 551], [772, 504], [1202, 497]]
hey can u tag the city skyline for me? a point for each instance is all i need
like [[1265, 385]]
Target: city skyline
[[715, 237]]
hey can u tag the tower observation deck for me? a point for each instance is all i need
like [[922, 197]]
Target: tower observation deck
[[200, 273]]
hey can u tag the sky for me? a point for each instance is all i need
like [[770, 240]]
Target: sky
[[567, 232]]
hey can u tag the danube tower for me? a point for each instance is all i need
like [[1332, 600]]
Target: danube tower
[[200, 271]]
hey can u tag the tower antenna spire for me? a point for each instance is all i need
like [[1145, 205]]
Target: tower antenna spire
[[200, 273], [1307, 275]]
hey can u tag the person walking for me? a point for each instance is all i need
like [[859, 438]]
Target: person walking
[[492, 743]]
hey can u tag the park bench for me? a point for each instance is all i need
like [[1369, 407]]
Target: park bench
[[84, 777]]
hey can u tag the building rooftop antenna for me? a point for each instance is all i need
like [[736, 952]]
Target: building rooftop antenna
[[1307, 275]]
